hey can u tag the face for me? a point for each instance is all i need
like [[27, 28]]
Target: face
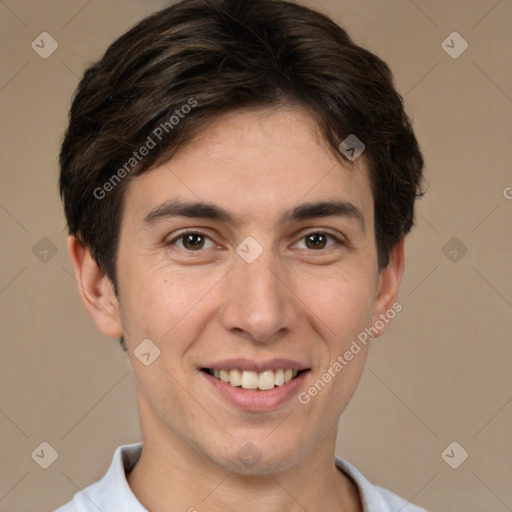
[[249, 260]]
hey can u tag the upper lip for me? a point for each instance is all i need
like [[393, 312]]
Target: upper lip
[[256, 366]]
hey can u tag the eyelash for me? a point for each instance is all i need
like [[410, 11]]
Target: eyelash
[[332, 237]]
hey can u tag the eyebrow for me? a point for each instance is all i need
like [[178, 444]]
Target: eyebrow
[[197, 210], [326, 209], [203, 210]]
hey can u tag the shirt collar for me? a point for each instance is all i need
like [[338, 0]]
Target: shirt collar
[[115, 485]]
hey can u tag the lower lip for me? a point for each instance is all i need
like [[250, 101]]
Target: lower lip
[[252, 400]]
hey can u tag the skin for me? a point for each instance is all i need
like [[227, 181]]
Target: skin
[[297, 300]]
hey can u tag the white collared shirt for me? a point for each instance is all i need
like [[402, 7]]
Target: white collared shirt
[[113, 494]]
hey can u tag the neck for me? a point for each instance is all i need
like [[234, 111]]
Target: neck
[[172, 473]]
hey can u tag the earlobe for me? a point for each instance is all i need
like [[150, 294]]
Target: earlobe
[[387, 290], [96, 289]]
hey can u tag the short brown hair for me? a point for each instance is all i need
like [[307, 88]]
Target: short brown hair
[[198, 59]]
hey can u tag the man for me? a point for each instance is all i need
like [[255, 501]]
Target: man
[[238, 179]]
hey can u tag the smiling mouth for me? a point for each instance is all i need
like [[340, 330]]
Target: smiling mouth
[[262, 381]]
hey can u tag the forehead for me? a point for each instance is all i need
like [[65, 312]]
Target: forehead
[[254, 162]]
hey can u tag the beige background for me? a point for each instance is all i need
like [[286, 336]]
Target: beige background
[[440, 374]]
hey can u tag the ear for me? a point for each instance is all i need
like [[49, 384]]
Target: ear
[[386, 305], [96, 289]]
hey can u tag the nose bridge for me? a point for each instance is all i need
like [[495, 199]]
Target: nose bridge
[[260, 303]]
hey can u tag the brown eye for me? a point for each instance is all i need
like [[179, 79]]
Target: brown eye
[[193, 241], [316, 241]]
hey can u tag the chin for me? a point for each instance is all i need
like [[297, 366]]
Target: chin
[[251, 460]]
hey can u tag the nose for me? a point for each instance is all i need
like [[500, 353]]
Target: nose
[[259, 303]]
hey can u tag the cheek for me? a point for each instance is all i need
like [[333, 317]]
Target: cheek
[[343, 302], [161, 304], [345, 306]]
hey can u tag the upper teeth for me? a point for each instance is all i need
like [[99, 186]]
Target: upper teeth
[[255, 380]]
